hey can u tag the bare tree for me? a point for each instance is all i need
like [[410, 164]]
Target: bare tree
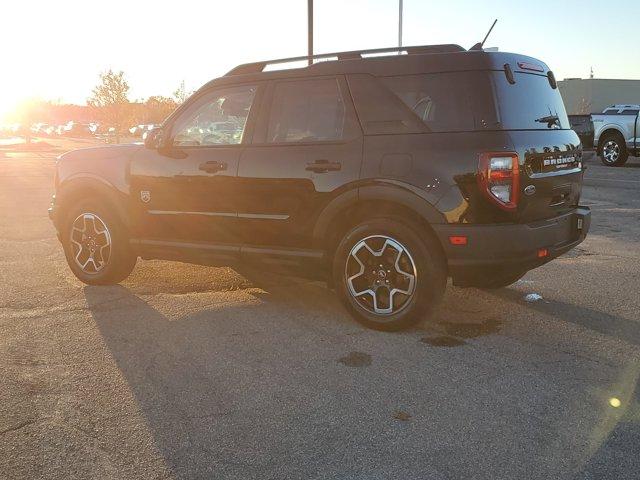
[[110, 100]]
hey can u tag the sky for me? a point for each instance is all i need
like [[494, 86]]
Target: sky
[[55, 50]]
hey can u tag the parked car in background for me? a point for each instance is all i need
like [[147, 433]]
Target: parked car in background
[[583, 126], [39, 129], [139, 130], [74, 129], [617, 134]]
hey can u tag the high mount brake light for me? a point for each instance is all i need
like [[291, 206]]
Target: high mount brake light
[[499, 178], [534, 67]]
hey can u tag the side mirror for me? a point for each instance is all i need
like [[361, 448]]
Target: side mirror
[[154, 139]]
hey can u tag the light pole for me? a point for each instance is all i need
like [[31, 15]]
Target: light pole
[[399, 23], [310, 30]]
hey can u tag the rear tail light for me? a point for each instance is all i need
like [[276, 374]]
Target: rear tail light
[[499, 179]]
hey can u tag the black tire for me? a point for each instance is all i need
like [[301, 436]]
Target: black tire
[[429, 272], [118, 261], [613, 150], [495, 280]]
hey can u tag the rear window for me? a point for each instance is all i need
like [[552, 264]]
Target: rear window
[[531, 98], [629, 112]]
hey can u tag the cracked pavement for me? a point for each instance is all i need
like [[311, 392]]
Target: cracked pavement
[[186, 372]]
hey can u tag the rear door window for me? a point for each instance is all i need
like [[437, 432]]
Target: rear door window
[[528, 103], [306, 110]]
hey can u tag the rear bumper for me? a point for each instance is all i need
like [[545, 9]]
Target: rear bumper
[[513, 246]]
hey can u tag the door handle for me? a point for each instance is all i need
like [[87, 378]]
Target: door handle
[[323, 166], [213, 166]]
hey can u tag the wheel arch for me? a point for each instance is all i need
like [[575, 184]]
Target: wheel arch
[[606, 133], [83, 187], [374, 201]]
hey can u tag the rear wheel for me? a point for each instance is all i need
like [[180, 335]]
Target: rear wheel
[[614, 151], [388, 277], [96, 244]]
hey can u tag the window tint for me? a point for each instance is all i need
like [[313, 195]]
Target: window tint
[[531, 98], [446, 102], [629, 112], [307, 110], [219, 119]]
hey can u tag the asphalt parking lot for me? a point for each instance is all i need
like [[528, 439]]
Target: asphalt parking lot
[[194, 372]]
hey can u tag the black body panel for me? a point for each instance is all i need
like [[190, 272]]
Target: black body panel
[[411, 133], [282, 188]]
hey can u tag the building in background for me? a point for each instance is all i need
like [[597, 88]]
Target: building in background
[[592, 95]]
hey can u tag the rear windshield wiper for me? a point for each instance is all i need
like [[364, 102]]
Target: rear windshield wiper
[[550, 120]]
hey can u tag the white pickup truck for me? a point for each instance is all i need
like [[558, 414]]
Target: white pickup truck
[[616, 134]]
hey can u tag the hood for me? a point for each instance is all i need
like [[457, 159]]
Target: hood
[[101, 153], [109, 164]]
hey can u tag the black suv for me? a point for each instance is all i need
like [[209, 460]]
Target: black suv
[[383, 172]]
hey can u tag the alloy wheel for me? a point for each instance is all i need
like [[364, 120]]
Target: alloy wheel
[[611, 151], [91, 243], [381, 275]]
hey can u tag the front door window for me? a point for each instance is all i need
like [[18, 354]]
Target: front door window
[[219, 119]]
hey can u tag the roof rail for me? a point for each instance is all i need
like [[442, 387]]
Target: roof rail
[[257, 67]]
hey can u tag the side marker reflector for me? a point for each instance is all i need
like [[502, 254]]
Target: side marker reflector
[[458, 240], [543, 252]]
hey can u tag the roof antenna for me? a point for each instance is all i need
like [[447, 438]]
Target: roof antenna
[[478, 46]]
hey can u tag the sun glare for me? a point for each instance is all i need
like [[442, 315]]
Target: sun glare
[[7, 107]]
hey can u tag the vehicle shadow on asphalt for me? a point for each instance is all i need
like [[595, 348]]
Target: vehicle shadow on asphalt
[[186, 374], [215, 382], [460, 315], [601, 322]]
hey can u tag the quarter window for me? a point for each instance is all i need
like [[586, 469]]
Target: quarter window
[[307, 110], [219, 119], [440, 100]]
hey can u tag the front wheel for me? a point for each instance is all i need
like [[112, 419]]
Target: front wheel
[[96, 244], [389, 277]]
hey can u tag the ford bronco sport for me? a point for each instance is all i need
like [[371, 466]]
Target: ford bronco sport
[[382, 174]]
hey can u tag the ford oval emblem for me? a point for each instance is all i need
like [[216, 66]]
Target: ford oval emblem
[[530, 189]]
